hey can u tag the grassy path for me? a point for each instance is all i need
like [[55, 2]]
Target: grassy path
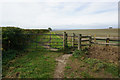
[[37, 63], [34, 63]]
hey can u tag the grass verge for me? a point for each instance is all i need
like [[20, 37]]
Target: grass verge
[[34, 63], [81, 66]]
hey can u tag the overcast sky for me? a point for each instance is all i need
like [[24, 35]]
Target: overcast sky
[[59, 14]]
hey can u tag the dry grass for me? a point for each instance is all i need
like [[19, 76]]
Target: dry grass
[[98, 32]]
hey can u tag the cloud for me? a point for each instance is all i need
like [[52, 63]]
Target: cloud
[[59, 0], [59, 14]]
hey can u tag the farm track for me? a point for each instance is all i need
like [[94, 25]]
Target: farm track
[[62, 60]]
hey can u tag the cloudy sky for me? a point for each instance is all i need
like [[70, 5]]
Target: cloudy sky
[[59, 14]]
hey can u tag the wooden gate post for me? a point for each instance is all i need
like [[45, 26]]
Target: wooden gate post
[[90, 41], [50, 39], [73, 40], [107, 41], [95, 38], [64, 40], [79, 41]]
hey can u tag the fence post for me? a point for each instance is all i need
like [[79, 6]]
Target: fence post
[[94, 38], [79, 41], [90, 41], [107, 41], [73, 40], [64, 40], [50, 39], [108, 35]]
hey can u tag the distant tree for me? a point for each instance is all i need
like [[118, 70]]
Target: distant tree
[[110, 27], [49, 29]]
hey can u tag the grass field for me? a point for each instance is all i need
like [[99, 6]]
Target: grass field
[[56, 41], [97, 32]]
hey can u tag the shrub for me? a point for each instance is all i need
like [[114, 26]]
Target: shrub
[[15, 40], [12, 38], [67, 50], [80, 52], [8, 55]]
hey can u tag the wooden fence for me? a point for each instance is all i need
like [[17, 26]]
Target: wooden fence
[[76, 41], [90, 39]]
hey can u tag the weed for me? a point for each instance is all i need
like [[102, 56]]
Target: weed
[[76, 70], [72, 75], [111, 68], [86, 74], [9, 55], [68, 67], [80, 53], [77, 53], [82, 65], [67, 50], [97, 65]]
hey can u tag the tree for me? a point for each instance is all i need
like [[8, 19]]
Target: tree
[[49, 29]]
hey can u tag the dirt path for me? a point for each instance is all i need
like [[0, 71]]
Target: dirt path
[[48, 47], [62, 60]]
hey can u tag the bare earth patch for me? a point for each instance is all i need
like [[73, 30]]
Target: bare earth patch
[[108, 54], [80, 69], [62, 60]]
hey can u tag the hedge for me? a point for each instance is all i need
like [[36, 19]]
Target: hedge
[[12, 38]]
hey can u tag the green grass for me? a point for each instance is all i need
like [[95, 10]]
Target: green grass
[[94, 66], [34, 63], [0, 30], [97, 65], [85, 74], [81, 66], [68, 67], [56, 41]]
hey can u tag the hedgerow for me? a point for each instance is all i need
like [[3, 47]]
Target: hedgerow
[[12, 38], [14, 41]]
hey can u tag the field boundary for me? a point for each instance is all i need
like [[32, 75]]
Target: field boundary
[[63, 41]]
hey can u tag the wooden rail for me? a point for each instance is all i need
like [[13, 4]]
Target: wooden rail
[[92, 40], [107, 40], [79, 41]]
